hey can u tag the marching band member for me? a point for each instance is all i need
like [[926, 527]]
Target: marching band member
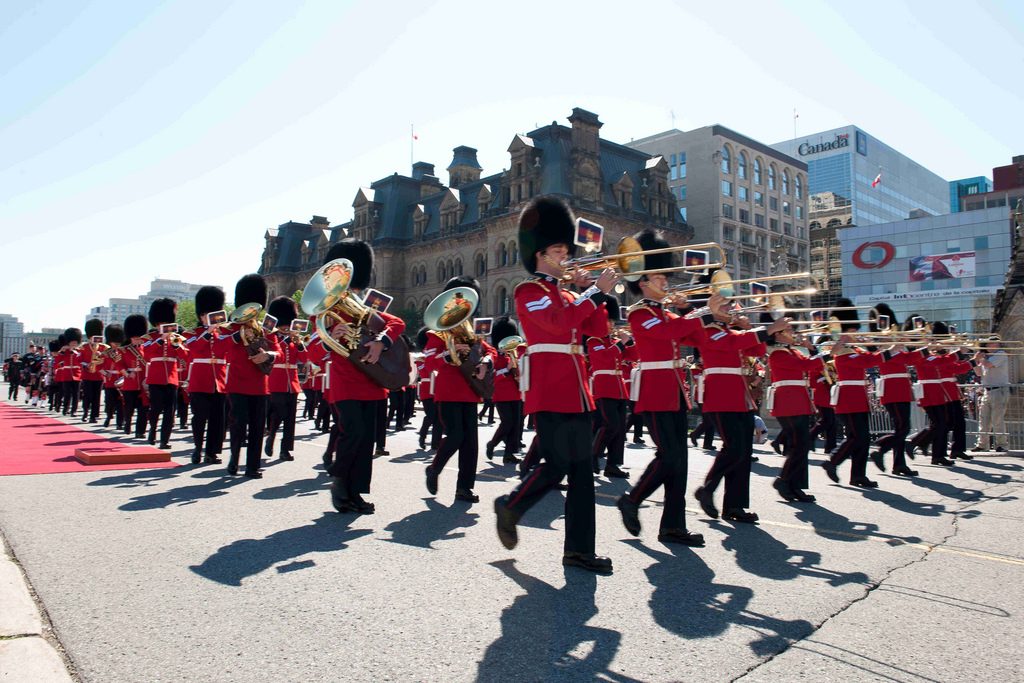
[[729, 405], [426, 394], [825, 425], [456, 406], [661, 394], [207, 379], [133, 368], [554, 380], [91, 360], [507, 398], [789, 402], [895, 394], [54, 378], [162, 353], [284, 379], [850, 400], [72, 371], [113, 405], [936, 391], [607, 354], [704, 428], [354, 398]]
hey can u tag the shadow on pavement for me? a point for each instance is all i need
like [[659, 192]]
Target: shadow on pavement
[[307, 486], [247, 557], [436, 523], [835, 526], [904, 504], [542, 632], [182, 495]]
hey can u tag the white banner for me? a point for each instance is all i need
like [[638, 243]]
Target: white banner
[[931, 294]]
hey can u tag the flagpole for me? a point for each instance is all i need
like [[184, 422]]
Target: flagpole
[[412, 145]]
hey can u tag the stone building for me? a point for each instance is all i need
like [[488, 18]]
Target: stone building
[[424, 231]]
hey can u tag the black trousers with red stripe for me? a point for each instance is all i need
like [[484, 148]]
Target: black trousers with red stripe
[[208, 419], [510, 424], [563, 441], [611, 434], [669, 467], [281, 409], [825, 427], [958, 426], [732, 462], [459, 422], [855, 446], [896, 441], [797, 445], [353, 449]]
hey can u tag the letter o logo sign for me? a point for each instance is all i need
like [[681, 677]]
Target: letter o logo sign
[[873, 258]]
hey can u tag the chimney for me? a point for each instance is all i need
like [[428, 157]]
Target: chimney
[[421, 169], [464, 167]]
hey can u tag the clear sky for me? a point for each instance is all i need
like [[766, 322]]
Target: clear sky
[[147, 139]]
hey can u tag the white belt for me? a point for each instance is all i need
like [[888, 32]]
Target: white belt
[[770, 398], [931, 381], [595, 373], [571, 349], [882, 378], [162, 358], [714, 371], [286, 366], [662, 364], [212, 361], [834, 398]]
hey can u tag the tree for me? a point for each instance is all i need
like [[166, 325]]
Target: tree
[[187, 314], [413, 321]]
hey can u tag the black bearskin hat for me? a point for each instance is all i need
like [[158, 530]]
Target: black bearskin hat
[[503, 327], [360, 253], [908, 324], [422, 339], [209, 299], [114, 334], [939, 327], [72, 334], [611, 304], [135, 326], [848, 319], [162, 312], [650, 239], [545, 221], [93, 327], [462, 281], [251, 289], [882, 309], [55, 345], [284, 309]]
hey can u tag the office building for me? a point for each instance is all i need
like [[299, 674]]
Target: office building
[[1007, 189], [966, 187], [117, 309]]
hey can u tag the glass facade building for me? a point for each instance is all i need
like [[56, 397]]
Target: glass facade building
[[941, 267], [966, 187]]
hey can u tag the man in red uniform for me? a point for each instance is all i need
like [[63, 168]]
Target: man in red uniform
[[789, 402], [825, 425], [456, 405], [727, 401], [662, 397], [895, 393], [607, 354], [162, 353], [554, 379], [113, 406], [207, 379], [354, 398], [72, 370], [507, 398], [936, 392], [91, 360], [426, 394], [133, 368], [284, 379], [248, 353]]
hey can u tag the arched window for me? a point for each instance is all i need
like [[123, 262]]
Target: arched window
[[785, 181], [741, 166], [451, 269], [458, 266], [501, 302], [480, 267], [513, 251], [815, 225], [757, 171], [502, 256], [440, 271], [726, 160], [771, 176], [799, 187], [835, 223]]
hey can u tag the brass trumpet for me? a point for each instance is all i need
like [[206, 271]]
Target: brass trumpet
[[629, 260]]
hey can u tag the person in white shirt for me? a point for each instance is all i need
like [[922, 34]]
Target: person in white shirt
[[995, 381]]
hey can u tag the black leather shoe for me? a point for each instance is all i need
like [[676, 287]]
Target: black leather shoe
[[363, 507], [739, 515], [707, 502], [254, 475], [864, 483], [212, 460], [593, 563], [339, 496], [978, 449], [165, 446], [423, 443], [942, 461], [509, 459], [268, 448], [630, 514], [466, 495], [233, 470], [784, 490], [693, 440], [506, 523], [904, 472], [431, 480], [876, 458], [777, 447], [489, 451], [381, 451], [561, 486], [802, 497], [595, 466], [830, 470], [285, 455], [326, 459], [614, 472], [999, 449], [962, 456], [682, 537], [196, 457]]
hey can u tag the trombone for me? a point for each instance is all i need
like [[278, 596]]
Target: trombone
[[629, 260]]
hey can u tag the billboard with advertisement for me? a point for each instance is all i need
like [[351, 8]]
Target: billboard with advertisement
[[942, 266]]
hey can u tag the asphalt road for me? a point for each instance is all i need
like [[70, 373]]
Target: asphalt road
[[186, 574]]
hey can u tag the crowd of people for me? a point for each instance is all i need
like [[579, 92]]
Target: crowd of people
[[572, 365]]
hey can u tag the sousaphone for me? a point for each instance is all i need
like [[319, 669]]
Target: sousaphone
[[450, 317]]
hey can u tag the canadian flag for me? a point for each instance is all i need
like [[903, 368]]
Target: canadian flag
[[877, 180]]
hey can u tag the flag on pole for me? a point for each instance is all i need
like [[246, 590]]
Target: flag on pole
[[877, 180], [795, 115]]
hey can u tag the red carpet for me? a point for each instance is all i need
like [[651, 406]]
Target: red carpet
[[33, 443]]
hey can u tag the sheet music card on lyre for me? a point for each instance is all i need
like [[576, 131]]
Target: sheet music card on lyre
[[589, 235], [378, 301]]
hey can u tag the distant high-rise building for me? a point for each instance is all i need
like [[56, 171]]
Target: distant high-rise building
[[966, 187], [12, 336], [1006, 189], [118, 309]]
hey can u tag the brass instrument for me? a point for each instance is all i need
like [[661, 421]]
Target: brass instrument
[[98, 355], [327, 296], [250, 331], [629, 260], [450, 317], [510, 347], [722, 283]]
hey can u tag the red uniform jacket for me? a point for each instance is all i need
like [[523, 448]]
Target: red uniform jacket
[[894, 384], [345, 383], [506, 380], [111, 369], [936, 374], [606, 364], [449, 384], [207, 369], [133, 367], [821, 388], [660, 335], [284, 378], [852, 367], [162, 360], [243, 376], [68, 369], [723, 348], [553, 372], [85, 358], [787, 365]]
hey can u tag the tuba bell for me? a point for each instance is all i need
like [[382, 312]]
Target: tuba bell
[[327, 297], [450, 317], [510, 347], [250, 331]]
